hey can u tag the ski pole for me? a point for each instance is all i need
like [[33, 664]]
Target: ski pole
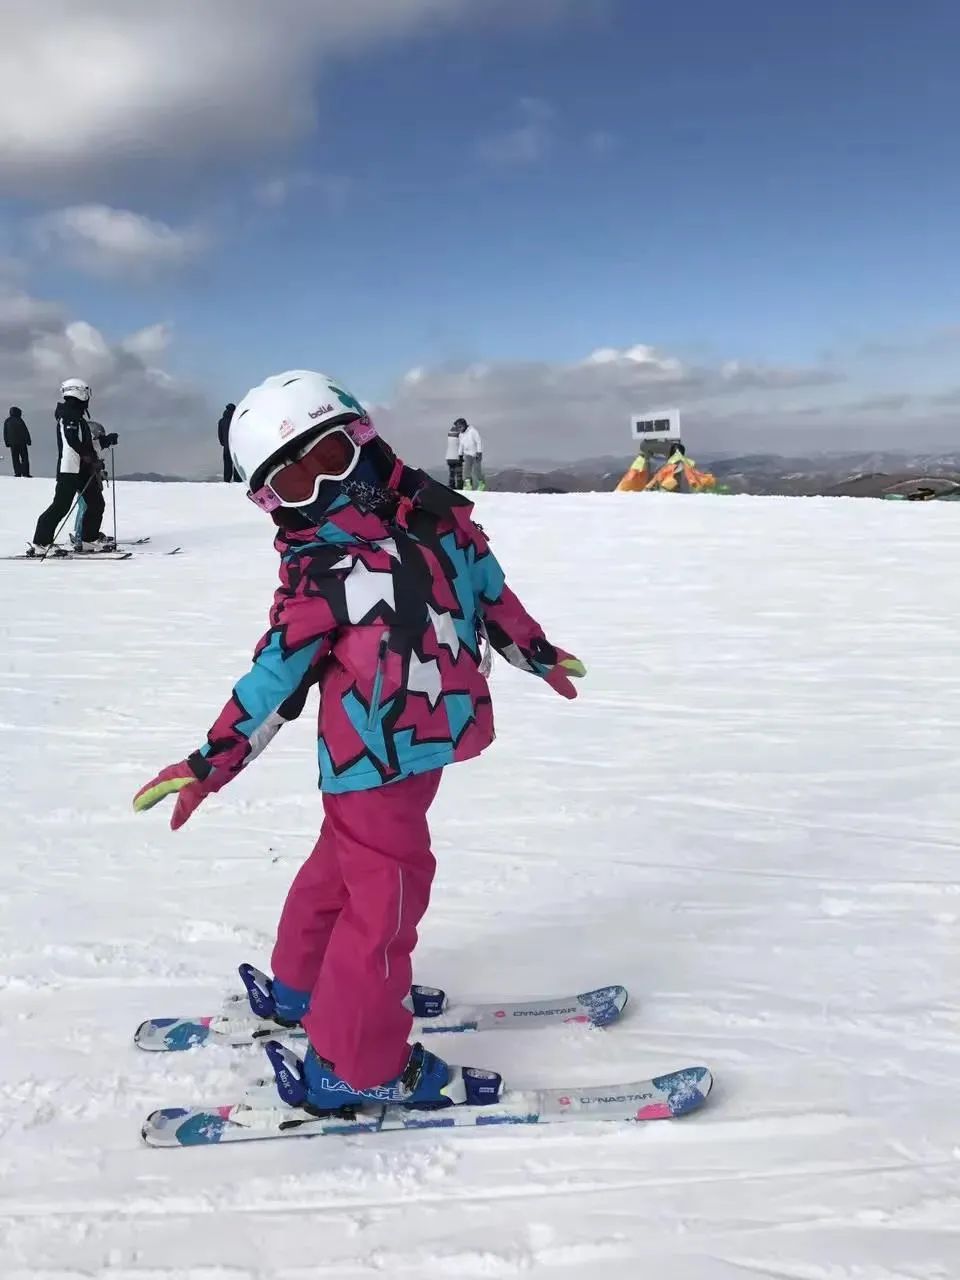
[[113, 487]]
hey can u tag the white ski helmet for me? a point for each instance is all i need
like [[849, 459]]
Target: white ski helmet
[[283, 409], [76, 388]]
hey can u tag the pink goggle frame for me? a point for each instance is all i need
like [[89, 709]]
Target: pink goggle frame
[[358, 432]]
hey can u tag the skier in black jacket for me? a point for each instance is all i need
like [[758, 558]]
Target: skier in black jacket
[[16, 438], [223, 431], [78, 473]]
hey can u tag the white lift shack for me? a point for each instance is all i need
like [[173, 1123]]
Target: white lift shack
[[656, 434]]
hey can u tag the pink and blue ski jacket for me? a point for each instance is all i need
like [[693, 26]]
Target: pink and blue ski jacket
[[388, 618]]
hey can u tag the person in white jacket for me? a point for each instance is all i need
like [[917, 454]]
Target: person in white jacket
[[471, 450], [454, 460]]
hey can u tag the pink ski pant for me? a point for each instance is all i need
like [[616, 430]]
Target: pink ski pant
[[349, 926]]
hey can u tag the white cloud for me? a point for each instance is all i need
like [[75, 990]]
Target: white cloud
[[534, 411], [87, 344], [87, 87], [333, 190], [535, 134], [116, 242], [24, 319], [641, 356], [742, 375], [538, 411], [525, 143], [274, 193], [166, 424], [12, 269], [148, 343]]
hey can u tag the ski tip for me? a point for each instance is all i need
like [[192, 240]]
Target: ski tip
[[171, 1035], [605, 1004], [180, 1127], [686, 1090], [159, 1128], [143, 1037]]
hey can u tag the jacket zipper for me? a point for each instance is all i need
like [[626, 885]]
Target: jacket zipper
[[378, 681]]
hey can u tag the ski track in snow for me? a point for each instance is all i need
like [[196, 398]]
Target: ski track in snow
[[750, 818]]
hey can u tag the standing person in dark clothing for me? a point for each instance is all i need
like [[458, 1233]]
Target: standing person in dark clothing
[[223, 434], [454, 457], [78, 471], [16, 438]]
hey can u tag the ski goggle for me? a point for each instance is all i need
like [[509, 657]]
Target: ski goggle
[[296, 481]]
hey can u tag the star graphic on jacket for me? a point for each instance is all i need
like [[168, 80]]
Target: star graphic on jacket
[[446, 631], [365, 589], [424, 677]]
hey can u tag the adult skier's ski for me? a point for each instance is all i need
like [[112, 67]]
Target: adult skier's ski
[[121, 542], [237, 1025], [663, 1098], [142, 542], [122, 552], [62, 554]]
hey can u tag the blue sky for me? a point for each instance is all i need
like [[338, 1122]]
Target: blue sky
[[760, 199]]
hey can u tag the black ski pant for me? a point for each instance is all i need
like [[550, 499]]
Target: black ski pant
[[92, 501], [20, 459], [69, 487], [229, 471], [456, 474]]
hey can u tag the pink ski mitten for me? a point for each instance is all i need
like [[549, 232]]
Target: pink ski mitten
[[182, 780], [557, 667]]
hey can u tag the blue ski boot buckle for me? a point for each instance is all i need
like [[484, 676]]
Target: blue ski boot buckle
[[271, 1000], [288, 1073]]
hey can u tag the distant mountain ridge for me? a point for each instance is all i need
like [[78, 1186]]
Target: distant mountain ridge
[[853, 474], [859, 474]]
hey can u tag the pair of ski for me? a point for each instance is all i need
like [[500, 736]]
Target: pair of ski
[[58, 554], [259, 1113], [121, 552]]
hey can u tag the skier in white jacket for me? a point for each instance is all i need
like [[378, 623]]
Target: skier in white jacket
[[471, 450]]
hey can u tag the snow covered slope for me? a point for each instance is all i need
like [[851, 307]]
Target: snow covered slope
[[751, 817]]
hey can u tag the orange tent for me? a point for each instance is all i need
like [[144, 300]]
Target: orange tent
[[636, 477], [679, 474]]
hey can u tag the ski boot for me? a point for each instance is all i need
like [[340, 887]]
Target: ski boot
[[272, 1000], [37, 550], [101, 543], [426, 1083]]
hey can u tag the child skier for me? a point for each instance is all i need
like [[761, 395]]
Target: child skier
[[101, 443], [454, 457], [387, 588]]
